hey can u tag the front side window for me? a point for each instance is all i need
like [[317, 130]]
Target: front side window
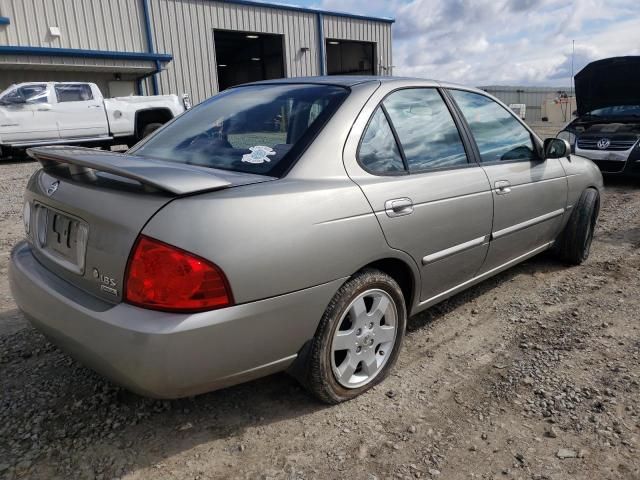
[[426, 130], [499, 136], [255, 129], [74, 92], [35, 93], [379, 151]]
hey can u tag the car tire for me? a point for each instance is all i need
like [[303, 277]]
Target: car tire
[[574, 244], [372, 348], [149, 129]]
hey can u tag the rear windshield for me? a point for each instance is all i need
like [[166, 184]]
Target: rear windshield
[[258, 129]]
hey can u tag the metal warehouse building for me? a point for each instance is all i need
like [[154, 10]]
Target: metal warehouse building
[[197, 47]]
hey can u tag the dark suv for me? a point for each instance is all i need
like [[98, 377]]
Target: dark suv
[[607, 129]]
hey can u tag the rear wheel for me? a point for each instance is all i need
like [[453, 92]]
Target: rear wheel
[[359, 338], [149, 129], [574, 245]]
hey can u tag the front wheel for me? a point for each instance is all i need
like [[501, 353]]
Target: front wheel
[[574, 245], [359, 338]]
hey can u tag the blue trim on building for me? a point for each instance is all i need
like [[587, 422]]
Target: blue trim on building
[[78, 52], [295, 8], [150, 47], [5, 21], [322, 54]]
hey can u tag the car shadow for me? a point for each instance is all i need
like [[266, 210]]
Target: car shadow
[[542, 263], [623, 183], [16, 159], [81, 412]]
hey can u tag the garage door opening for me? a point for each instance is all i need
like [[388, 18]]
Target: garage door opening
[[350, 58], [247, 57]]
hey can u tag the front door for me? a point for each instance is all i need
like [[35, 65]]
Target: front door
[[529, 193], [79, 111], [431, 199], [25, 115]]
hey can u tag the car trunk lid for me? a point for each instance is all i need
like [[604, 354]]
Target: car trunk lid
[[89, 206]]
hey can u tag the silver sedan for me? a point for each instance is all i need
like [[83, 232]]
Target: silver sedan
[[289, 225]]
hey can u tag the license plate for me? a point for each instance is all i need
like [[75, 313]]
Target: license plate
[[62, 237]]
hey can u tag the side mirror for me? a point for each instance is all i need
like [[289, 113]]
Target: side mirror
[[556, 148]]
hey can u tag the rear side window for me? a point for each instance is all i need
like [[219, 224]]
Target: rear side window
[[379, 151], [426, 130], [499, 136], [255, 129], [74, 93]]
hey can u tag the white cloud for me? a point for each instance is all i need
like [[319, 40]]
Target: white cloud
[[481, 42]]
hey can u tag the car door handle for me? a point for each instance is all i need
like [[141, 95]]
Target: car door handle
[[398, 207], [94, 106], [503, 187]]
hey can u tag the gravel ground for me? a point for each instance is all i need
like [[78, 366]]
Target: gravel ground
[[534, 374]]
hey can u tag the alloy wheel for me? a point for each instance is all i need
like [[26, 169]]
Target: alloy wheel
[[364, 338]]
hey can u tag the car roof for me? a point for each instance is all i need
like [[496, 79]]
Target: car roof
[[353, 80], [340, 80], [47, 82]]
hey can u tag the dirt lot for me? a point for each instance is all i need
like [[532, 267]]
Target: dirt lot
[[534, 374]]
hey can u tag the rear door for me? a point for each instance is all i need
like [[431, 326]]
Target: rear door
[[432, 200], [79, 111], [529, 192]]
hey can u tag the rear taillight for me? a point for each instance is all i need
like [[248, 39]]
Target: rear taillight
[[163, 277]]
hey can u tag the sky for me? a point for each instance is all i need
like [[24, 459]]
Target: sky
[[500, 42]]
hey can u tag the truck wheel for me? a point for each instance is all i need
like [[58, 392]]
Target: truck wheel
[[574, 244], [359, 338], [149, 129]]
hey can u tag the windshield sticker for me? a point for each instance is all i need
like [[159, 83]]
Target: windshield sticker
[[259, 154]]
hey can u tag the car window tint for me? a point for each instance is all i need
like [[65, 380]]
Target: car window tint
[[378, 151], [258, 129], [74, 93], [426, 130], [500, 137], [27, 94]]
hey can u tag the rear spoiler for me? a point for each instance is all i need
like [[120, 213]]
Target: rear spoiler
[[174, 178]]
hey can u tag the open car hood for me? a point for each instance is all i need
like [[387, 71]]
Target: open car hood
[[609, 82]]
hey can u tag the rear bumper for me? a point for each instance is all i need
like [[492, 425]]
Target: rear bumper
[[166, 355]]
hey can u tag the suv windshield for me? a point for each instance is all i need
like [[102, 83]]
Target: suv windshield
[[617, 111], [255, 129]]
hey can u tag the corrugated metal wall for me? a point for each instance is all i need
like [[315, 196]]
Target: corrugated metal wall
[[185, 28], [116, 25], [532, 97], [341, 28]]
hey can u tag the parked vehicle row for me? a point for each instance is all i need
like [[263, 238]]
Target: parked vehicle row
[[289, 225], [48, 113]]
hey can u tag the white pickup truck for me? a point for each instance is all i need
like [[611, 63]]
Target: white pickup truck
[[48, 113]]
